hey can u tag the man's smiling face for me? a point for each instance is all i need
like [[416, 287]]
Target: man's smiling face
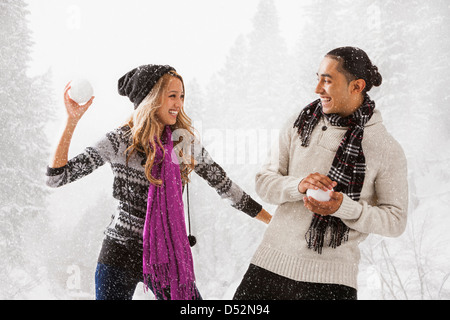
[[336, 93]]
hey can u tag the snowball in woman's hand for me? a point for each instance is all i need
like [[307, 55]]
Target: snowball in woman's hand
[[81, 91], [319, 194]]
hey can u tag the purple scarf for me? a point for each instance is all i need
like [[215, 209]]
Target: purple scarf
[[167, 259]]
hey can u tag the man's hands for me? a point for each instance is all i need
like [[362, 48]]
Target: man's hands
[[324, 208], [319, 181], [316, 181]]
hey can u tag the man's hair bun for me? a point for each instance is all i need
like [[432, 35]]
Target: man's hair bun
[[376, 78]]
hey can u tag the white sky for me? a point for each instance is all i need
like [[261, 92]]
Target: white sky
[[88, 37], [102, 40]]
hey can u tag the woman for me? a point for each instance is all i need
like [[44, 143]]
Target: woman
[[146, 240], [337, 144]]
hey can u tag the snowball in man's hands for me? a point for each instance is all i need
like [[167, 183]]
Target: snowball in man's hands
[[81, 91], [319, 194]]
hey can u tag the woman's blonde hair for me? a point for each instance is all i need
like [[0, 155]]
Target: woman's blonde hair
[[144, 128]]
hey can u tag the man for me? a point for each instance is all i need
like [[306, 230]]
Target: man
[[337, 144]]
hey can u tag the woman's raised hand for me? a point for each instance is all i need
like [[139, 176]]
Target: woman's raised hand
[[74, 113], [74, 110]]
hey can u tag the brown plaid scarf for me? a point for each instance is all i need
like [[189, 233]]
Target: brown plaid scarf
[[347, 169]]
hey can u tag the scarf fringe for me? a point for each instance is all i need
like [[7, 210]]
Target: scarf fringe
[[156, 279], [328, 230], [158, 282], [188, 290]]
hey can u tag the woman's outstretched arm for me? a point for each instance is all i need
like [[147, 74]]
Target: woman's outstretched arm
[[74, 114]]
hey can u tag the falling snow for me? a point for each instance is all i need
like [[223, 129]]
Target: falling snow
[[238, 96]]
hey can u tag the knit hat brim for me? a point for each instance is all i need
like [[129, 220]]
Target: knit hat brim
[[138, 83]]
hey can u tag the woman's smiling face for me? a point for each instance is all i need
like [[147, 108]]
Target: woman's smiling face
[[172, 103]]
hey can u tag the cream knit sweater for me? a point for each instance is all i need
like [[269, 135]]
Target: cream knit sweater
[[382, 208]]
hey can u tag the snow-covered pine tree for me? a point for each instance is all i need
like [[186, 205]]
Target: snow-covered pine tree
[[318, 35], [269, 71], [252, 85], [256, 77], [426, 85], [412, 99], [228, 87], [431, 68], [25, 106]]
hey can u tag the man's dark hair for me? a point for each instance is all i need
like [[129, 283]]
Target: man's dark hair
[[355, 64]]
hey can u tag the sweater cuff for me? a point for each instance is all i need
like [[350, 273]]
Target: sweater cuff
[[252, 208], [51, 172], [349, 209], [292, 191]]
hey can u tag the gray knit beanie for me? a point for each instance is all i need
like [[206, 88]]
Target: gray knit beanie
[[138, 83]]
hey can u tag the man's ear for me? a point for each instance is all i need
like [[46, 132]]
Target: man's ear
[[357, 86]]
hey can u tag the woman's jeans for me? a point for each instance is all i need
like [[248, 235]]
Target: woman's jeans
[[113, 283]]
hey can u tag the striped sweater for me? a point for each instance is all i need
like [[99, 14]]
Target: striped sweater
[[130, 188]]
